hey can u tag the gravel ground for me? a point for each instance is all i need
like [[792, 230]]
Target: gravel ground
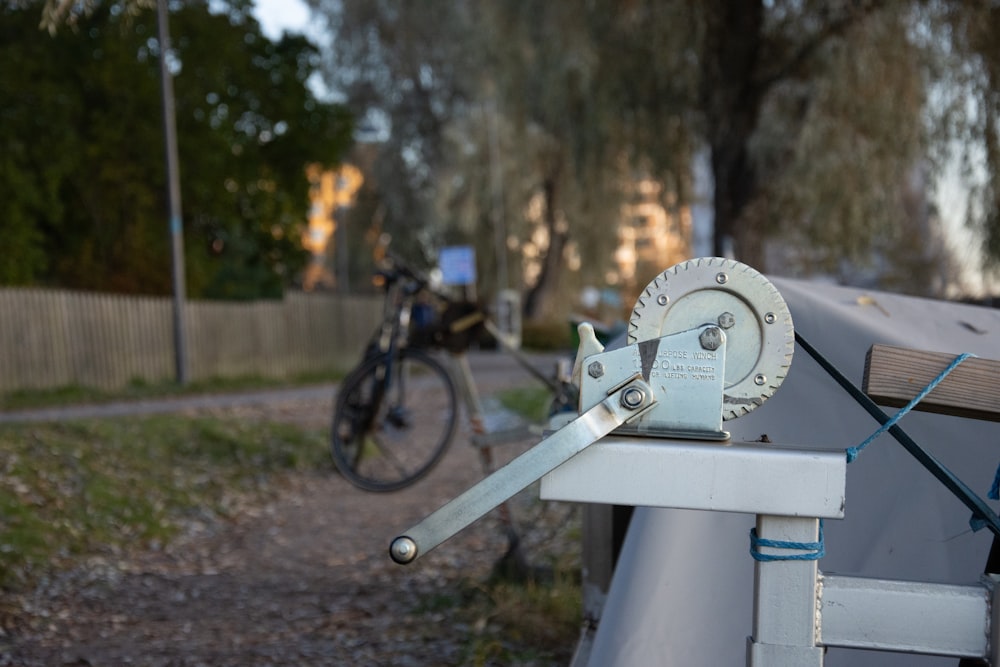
[[303, 580]]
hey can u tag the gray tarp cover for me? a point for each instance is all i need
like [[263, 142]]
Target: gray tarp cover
[[682, 593]]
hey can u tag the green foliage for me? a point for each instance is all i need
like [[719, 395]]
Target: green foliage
[[509, 616], [531, 402], [69, 491], [82, 179], [837, 184], [547, 335]]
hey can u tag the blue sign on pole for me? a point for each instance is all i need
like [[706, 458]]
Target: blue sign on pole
[[458, 265]]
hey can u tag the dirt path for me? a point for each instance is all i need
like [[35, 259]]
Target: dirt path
[[304, 580]]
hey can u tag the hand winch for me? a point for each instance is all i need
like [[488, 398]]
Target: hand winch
[[708, 340]]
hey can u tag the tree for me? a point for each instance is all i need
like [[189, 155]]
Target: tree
[[430, 77], [400, 65], [793, 101], [85, 130], [255, 124], [967, 74], [594, 90], [798, 115], [815, 115]]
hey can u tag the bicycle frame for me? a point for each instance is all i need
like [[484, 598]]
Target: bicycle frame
[[392, 334], [402, 287], [396, 310]]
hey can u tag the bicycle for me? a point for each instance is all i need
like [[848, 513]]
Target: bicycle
[[396, 414]]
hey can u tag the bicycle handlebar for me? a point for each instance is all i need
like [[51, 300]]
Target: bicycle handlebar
[[398, 269]]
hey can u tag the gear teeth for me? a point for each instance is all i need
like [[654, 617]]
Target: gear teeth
[[747, 286], [633, 326], [647, 294], [633, 322]]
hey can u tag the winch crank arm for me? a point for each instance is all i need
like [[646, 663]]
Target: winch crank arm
[[624, 402]]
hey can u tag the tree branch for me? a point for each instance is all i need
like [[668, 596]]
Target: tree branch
[[858, 11]]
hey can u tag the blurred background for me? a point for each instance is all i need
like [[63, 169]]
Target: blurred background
[[579, 149]]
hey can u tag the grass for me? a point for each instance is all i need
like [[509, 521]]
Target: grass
[[70, 491], [534, 622], [513, 622], [525, 622], [77, 489], [532, 402], [25, 399]]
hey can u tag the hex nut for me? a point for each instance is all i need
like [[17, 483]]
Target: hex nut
[[710, 338]]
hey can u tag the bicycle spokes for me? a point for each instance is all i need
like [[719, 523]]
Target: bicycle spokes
[[400, 412]]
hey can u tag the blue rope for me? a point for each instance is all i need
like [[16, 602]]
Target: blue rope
[[981, 511], [814, 550], [852, 452], [976, 522]]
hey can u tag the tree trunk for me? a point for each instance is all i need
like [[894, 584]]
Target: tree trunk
[[731, 98], [538, 295]]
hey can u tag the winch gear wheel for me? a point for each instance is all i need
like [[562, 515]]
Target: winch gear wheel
[[760, 338]]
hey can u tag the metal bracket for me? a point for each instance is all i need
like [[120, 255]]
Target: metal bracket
[[686, 371], [622, 391], [908, 616]]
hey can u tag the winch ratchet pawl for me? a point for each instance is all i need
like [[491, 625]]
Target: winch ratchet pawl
[[623, 403]]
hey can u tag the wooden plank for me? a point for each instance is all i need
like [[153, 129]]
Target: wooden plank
[[894, 375], [51, 321]]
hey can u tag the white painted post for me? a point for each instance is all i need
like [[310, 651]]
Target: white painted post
[[785, 619]]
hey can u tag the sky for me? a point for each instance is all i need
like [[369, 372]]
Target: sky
[[277, 16]]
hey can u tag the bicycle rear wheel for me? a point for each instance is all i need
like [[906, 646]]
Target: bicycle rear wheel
[[394, 419]]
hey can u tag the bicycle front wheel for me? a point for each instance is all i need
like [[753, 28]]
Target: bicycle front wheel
[[394, 419]]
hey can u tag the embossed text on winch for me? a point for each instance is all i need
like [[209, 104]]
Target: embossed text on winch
[[682, 365]]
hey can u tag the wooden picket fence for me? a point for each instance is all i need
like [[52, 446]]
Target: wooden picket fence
[[55, 338]]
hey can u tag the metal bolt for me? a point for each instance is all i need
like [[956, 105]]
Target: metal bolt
[[663, 299], [726, 320], [595, 369], [770, 318], [710, 338], [403, 550], [760, 379], [721, 278], [632, 398]]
